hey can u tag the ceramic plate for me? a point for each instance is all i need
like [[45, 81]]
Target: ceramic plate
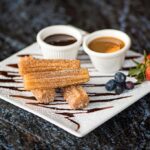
[[103, 105]]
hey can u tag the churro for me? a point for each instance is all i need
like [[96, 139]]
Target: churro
[[42, 77], [44, 96], [55, 79], [29, 64], [76, 96]]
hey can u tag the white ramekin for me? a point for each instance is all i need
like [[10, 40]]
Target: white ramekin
[[107, 63], [59, 52]]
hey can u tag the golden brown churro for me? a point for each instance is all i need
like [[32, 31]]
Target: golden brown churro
[[43, 76], [76, 96], [44, 96], [55, 79], [29, 64]]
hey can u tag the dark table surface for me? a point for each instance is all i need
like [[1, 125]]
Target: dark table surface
[[20, 20]]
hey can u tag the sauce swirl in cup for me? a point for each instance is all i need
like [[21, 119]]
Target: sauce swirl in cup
[[106, 44], [60, 39]]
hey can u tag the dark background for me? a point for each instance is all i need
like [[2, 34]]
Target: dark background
[[20, 20]]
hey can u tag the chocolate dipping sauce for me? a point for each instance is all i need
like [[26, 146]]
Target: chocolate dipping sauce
[[60, 39]]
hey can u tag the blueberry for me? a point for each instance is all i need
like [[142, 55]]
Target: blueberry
[[119, 89], [120, 77], [110, 85], [123, 84], [129, 85]]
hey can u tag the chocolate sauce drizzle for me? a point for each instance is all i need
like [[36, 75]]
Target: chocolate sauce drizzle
[[24, 97], [127, 68], [93, 85], [63, 102], [78, 125], [13, 65], [132, 57], [32, 98], [77, 111], [10, 74], [69, 115], [23, 55], [98, 109], [99, 85], [109, 100], [9, 80], [107, 76], [13, 88], [100, 94]]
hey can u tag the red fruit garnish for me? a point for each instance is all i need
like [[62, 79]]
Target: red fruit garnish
[[148, 56], [142, 70], [147, 73], [147, 59]]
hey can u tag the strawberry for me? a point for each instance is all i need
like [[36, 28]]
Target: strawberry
[[148, 56], [146, 59], [142, 70], [147, 73]]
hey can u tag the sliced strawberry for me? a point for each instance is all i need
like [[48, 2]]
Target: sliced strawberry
[[147, 73]]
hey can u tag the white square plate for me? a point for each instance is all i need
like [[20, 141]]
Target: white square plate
[[103, 105]]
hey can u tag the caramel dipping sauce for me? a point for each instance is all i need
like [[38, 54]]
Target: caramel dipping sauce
[[106, 44], [60, 39]]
